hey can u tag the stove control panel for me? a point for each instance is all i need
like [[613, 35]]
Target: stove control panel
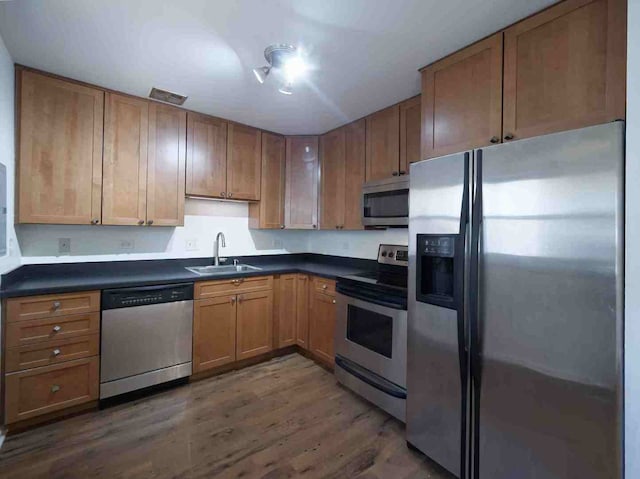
[[393, 254]]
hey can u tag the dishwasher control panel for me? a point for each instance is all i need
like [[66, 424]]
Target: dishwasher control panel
[[132, 297]]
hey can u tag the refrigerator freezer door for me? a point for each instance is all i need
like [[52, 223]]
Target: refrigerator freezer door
[[550, 310], [434, 390]]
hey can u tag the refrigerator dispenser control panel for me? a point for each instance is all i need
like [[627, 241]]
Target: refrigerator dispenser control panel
[[438, 246]]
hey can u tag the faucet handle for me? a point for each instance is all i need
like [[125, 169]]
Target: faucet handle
[[236, 261]]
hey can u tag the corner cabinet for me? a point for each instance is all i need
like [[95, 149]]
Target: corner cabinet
[[301, 200], [564, 68], [269, 212], [410, 132], [59, 145]]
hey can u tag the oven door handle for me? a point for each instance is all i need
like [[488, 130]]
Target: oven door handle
[[369, 298], [371, 379]]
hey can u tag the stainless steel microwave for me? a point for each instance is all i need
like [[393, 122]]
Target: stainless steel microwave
[[386, 202]]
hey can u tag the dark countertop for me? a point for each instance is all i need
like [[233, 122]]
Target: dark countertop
[[30, 280]]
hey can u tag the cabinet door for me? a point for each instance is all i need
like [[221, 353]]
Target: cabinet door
[[322, 326], [244, 162], [286, 310], [565, 68], [462, 99], [166, 165], [410, 125], [302, 311], [59, 167], [124, 186], [214, 332], [301, 204], [332, 179], [269, 212], [206, 156], [355, 145], [255, 324], [383, 144]]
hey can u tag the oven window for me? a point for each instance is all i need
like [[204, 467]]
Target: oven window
[[388, 204], [370, 330]]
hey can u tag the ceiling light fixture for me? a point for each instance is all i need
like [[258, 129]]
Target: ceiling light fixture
[[286, 61]]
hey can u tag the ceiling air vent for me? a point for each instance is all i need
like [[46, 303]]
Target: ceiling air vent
[[167, 96]]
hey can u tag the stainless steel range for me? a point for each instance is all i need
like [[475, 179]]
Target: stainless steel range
[[371, 331]]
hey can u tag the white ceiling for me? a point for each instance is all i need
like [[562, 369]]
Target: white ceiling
[[366, 52]]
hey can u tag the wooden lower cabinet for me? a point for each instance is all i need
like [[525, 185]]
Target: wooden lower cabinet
[[286, 310], [322, 325], [254, 324], [39, 391], [302, 311], [214, 332]]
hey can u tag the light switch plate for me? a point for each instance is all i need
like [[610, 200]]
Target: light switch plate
[[64, 245]]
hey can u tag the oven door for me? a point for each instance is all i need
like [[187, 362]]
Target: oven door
[[374, 336], [386, 202]]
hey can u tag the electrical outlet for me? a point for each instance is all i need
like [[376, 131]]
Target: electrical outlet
[[64, 245], [191, 245], [127, 244]]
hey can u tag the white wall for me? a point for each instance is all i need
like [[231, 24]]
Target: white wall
[[203, 220], [632, 240]]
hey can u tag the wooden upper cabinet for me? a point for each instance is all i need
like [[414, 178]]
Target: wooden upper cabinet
[[410, 126], [244, 162], [254, 324], [462, 99], [166, 165], [383, 144], [124, 182], [269, 212], [564, 68], [354, 165], [332, 179], [301, 202], [59, 164], [206, 156]]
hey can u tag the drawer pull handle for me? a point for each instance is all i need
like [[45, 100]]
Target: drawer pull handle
[[56, 305], [56, 352], [56, 328], [55, 388]]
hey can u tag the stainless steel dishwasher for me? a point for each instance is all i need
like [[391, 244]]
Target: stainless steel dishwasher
[[146, 338]]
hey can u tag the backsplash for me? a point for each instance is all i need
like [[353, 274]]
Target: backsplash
[[203, 220]]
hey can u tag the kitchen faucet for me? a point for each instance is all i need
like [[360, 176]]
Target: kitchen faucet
[[216, 248]]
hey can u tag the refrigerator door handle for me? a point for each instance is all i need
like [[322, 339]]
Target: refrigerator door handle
[[474, 310]]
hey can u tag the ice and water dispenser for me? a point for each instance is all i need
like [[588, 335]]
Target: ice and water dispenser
[[437, 270]]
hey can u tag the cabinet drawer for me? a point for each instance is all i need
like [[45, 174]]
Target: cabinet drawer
[[42, 390], [34, 307], [324, 285], [51, 352], [208, 289], [38, 330]]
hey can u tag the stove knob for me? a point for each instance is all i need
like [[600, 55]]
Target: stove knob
[[383, 254]]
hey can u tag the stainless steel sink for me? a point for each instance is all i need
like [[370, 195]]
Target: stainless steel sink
[[227, 268]]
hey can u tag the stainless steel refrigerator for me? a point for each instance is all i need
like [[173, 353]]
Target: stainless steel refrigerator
[[514, 367]]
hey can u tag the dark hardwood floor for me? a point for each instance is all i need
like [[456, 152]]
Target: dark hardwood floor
[[284, 418]]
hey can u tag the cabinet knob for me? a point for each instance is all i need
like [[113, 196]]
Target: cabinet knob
[[334, 301], [95, 221], [56, 328], [324, 286], [233, 300], [240, 298], [55, 388], [223, 194], [313, 226], [140, 222], [229, 195], [494, 139], [281, 227], [395, 173], [56, 305], [150, 222], [402, 172], [508, 136], [56, 352]]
